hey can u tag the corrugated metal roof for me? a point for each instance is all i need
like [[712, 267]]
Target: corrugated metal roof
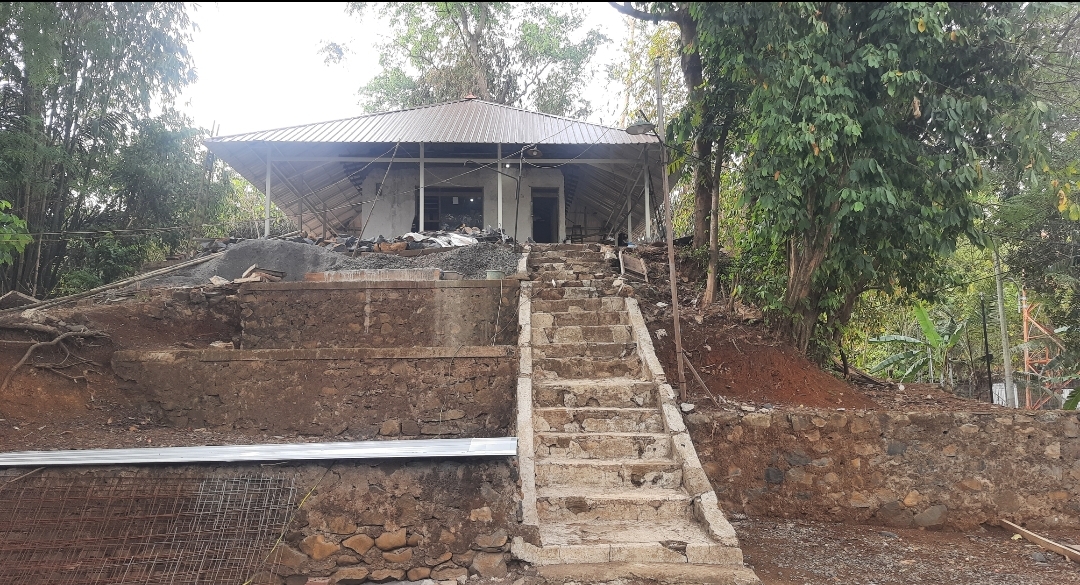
[[462, 121]]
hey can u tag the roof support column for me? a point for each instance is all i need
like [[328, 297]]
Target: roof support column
[[498, 176], [629, 219], [420, 225], [269, 175]]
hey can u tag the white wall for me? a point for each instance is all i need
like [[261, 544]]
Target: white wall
[[393, 214]]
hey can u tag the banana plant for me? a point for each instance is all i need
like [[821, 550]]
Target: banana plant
[[920, 355]]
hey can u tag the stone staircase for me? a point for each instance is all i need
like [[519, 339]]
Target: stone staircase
[[609, 475]]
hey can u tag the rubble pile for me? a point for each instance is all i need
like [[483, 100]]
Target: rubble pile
[[273, 260], [464, 236]]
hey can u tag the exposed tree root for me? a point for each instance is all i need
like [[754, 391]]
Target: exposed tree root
[[57, 340]]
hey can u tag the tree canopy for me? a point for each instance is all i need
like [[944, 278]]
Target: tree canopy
[[78, 82], [870, 128], [532, 55]]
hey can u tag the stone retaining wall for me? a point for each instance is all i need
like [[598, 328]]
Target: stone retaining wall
[[289, 315], [357, 521], [954, 470], [363, 393]]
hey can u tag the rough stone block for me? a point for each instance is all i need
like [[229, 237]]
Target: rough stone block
[[349, 576], [391, 540], [318, 548], [489, 565], [932, 517]]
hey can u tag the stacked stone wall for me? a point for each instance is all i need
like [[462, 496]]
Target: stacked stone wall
[[310, 315], [928, 469], [362, 393]]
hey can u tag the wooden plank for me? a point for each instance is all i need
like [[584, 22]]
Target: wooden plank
[[1065, 551], [634, 265]]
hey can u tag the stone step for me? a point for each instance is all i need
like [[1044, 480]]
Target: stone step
[[598, 420], [602, 446], [582, 333], [587, 367], [612, 392], [591, 318], [638, 569], [565, 249], [573, 265], [577, 504], [611, 473], [579, 305], [601, 350], [563, 276], [549, 293]]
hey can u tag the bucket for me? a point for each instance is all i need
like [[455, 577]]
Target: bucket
[[495, 275]]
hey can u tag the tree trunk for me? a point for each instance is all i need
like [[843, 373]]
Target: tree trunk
[[703, 190], [714, 210], [806, 252]]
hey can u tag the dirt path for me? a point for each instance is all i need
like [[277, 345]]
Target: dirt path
[[801, 552]]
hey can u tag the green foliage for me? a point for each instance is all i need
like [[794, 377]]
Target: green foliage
[[13, 236], [92, 263], [869, 133], [921, 354], [78, 82], [1073, 401], [530, 55]]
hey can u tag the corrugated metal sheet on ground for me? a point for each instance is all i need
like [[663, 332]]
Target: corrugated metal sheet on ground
[[417, 449]]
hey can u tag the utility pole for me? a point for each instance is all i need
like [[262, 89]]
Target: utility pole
[[670, 232], [1011, 399], [986, 348]]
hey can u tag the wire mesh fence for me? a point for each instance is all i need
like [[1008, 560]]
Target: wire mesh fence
[[142, 528]]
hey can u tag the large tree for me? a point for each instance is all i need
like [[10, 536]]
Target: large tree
[[533, 55], [870, 127], [77, 80]]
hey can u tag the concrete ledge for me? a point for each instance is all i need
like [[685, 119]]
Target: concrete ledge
[[526, 453], [327, 353], [366, 284], [651, 572], [696, 483]]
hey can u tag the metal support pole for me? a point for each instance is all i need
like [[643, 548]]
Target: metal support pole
[[648, 204], [629, 221], [269, 174], [498, 174], [672, 276], [986, 348], [1011, 398], [420, 226]]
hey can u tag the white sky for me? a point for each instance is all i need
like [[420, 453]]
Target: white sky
[[259, 67]]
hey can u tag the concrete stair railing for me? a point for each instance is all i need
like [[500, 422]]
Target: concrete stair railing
[[609, 475]]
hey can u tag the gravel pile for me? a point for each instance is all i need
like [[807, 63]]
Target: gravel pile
[[294, 259], [470, 262]]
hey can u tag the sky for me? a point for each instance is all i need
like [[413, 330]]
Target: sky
[[258, 64]]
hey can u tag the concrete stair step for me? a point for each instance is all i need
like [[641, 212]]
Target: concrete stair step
[[580, 318], [578, 504], [579, 305], [599, 350], [612, 473], [563, 275], [566, 249], [639, 569], [602, 446], [612, 392], [550, 293], [598, 420], [572, 265], [586, 367], [582, 334]]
